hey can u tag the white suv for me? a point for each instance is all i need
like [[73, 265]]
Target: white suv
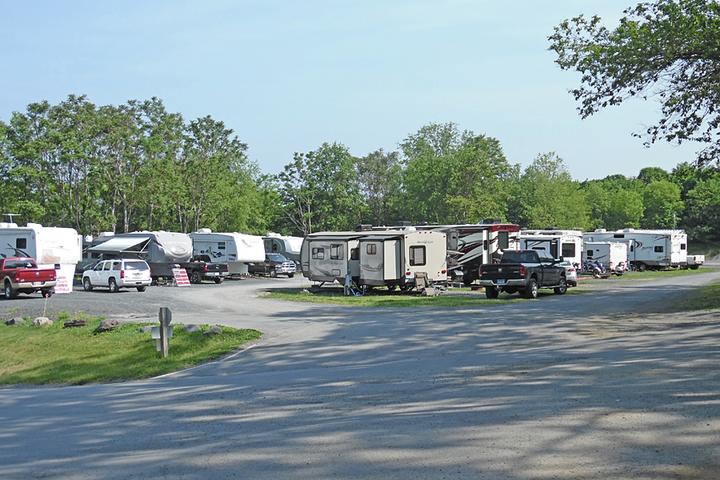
[[117, 274]]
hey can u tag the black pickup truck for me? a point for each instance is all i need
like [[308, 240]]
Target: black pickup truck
[[201, 268], [522, 271]]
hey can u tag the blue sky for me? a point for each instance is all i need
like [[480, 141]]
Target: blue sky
[[289, 75]]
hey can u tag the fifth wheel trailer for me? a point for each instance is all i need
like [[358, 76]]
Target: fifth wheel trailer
[[554, 243], [288, 247], [648, 248], [51, 247], [327, 257], [234, 249]]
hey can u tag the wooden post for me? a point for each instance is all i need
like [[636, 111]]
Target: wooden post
[[165, 317]]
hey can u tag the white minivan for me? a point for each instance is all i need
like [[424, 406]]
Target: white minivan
[[116, 274]]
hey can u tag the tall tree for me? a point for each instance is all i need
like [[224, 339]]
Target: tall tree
[[663, 205], [667, 50], [380, 178]]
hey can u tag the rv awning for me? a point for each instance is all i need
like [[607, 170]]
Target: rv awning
[[121, 244]]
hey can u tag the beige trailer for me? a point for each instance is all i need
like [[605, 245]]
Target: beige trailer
[[329, 256], [396, 258]]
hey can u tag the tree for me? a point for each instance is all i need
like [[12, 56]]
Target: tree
[[665, 49], [380, 177], [703, 209], [651, 174], [662, 205]]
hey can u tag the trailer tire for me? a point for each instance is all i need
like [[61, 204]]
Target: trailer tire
[[641, 267], [112, 286], [87, 286], [491, 293], [291, 275], [562, 288], [8, 292], [531, 291]]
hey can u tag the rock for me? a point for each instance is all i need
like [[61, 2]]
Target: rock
[[42, 322], [430, 292], [145, 329], [15, 321], [106, 326], [75, 324], [214, 330], [192, 328]]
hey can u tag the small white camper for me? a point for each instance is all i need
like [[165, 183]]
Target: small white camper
[[329, 256], [554, 243], [56, 247], [289, 247], [648, 248], [609, 254], [395, 258], [234, 249]]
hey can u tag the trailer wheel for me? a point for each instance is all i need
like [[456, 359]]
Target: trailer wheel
[[641, 267], [532, 289], [8, 292], [491, 292], [562, 288]]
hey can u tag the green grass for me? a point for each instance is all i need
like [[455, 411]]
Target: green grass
[[704, 298], [383, 298], [53, 355], [656, 274]]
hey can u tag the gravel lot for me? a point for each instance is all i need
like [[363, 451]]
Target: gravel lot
[[577, 387]]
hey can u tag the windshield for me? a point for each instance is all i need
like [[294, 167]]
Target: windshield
[[519, 257], [136, 266], [276, 257]]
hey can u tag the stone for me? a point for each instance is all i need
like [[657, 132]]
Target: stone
[[15, 321], [430, 292], [42, 322], [192, 328], [145, 329], [106, 326], [214, 330], [75, 324]]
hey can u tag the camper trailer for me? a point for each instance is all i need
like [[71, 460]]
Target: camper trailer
[[234, 249], [161, 250], [557, 244], [395, 259], [609, 254], [329, 256], [648, 248], [289, 247], [51, 247]]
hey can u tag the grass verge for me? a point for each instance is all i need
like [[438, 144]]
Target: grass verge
[[57, 355], [704, 298], [654, 274]]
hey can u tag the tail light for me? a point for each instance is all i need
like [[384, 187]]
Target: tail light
[[122, 273], [205, 268], [407, 274], [443, 272], [522, 270]]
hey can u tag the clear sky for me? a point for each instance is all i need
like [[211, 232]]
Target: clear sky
[[289, 75]]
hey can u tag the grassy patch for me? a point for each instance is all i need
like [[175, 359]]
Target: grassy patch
[[53, 354], [655, 274], [704, 298], [383, 298]]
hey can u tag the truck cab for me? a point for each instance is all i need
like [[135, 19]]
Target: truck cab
[[523, 271]]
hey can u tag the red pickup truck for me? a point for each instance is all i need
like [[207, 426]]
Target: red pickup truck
[[22, 275]]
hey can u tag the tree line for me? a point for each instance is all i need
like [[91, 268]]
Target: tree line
[[137, 166]]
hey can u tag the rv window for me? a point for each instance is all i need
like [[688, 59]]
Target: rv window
[[568, 250], [683, 246], [590, 253], [354, 254], [221, 245], [336, 252], [503, 240], [417, 256], [659, 249], [317, 253], [371, 249], [485, 244], [21, 243], [619, 235]]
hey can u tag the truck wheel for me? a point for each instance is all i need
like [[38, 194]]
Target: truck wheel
[[219, 280], [491, 292], [112, 286], [141, 289], [532, 289], [562, 288], [273, 273], [87, 286], [8, 292], [47, 293], [291, 275], [195, 277]]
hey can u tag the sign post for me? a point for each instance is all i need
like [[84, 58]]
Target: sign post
[[165, 317]]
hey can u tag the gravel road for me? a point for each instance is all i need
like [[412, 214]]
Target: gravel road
[[577, 386]]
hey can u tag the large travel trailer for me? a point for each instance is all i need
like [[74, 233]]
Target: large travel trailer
[[289, 247], [327, 257], [609, 254], [161, 250], [471, 245], [554, 243], [56, 247], [395, 258], [648, 248], [234, 249]]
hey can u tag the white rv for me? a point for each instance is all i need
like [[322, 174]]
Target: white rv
[[329, 256], [609, 254], [56, 247], [161, 250], [648, 248], [234, 249], [554, 243], [394, 258], [289, 247]]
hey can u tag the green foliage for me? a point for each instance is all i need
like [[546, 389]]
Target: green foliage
[[662, 205], [380, 177], [665, 49], [615, 202], [703, 209]]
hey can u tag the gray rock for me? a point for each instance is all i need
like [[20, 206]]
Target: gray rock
[[145, 329], [42, 322], [106, 326], [15, 321], [214, 330], [192, 328]]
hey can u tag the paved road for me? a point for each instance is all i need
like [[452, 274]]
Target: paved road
[[578, 387]]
